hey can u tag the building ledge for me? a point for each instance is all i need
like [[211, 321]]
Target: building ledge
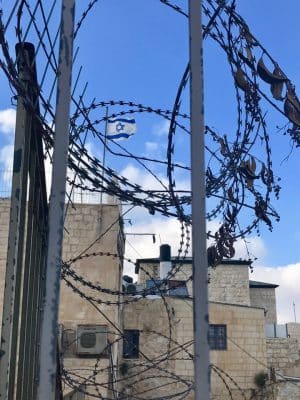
[[235, 305], [262, 285], [187, 260]]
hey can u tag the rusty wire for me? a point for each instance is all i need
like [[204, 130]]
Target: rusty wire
[[237, 178]]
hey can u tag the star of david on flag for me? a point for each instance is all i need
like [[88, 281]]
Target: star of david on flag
[[120, 128]]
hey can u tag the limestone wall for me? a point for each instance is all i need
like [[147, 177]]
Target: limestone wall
[[228, 283], [84, 225], [246, 349], [164, 364], [244, 357], [90, 230], [294, 330], [282, 353], [287, 390], [85, 234], [265, 297]]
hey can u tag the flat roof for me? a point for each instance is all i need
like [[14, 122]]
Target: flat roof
[[186, 260], [260, 285]]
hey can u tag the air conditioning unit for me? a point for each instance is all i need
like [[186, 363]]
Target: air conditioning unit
[[131, 288], [91, 340]]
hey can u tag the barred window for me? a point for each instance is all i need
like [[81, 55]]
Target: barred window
[[131, 340], [217, 337]]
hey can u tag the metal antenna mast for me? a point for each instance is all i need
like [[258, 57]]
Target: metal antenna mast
[[48, 354], [200, 282]]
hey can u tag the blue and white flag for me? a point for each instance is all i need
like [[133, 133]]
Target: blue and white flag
[[120, 128]]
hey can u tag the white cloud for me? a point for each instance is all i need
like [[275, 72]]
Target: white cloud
[[148, 181], [162, 128], [256, 248], [252, 247], [151, 146], [8, 121], [6, 161], [166, 230], [77, 195], [288, 277]]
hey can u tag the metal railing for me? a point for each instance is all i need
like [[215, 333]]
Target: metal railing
[[276, 331], [27, 244]]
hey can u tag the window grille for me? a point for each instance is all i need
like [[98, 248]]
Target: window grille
[[131, 343], [217, 337]]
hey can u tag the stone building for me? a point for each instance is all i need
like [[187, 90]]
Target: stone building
[[90, 319], [251, 355], [139, 344], [86, 314]]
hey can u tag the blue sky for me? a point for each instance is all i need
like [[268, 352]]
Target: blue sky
[[137, 50]]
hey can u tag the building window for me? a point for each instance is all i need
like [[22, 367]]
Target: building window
[[131, 341], [171, 288], [217, 337], [178, 288], [155, 286]]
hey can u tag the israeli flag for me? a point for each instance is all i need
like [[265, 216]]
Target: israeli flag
[[120, 128]]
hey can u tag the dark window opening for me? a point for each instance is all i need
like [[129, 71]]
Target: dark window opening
[[131, 343], [217, 337]]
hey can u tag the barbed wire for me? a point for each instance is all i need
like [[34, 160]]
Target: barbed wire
[[238, 177]]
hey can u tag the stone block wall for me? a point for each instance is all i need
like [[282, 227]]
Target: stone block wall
[[246, 349], [164, 365], [244, 357], [294, 331], [228, 283], [282, 353], [287, 390], [90, 229], [265, 297], [148, 270]]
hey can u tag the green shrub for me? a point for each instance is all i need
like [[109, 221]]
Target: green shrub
[[260, 379]]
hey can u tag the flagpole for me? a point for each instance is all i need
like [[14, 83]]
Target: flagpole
[[104, 152]]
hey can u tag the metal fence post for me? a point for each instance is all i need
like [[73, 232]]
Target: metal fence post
[[15, 250], [48, 351], [200, 281]]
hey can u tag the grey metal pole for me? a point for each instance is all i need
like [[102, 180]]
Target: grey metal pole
[[200, 281], [14, 262], [48, 351], [294, 307]]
